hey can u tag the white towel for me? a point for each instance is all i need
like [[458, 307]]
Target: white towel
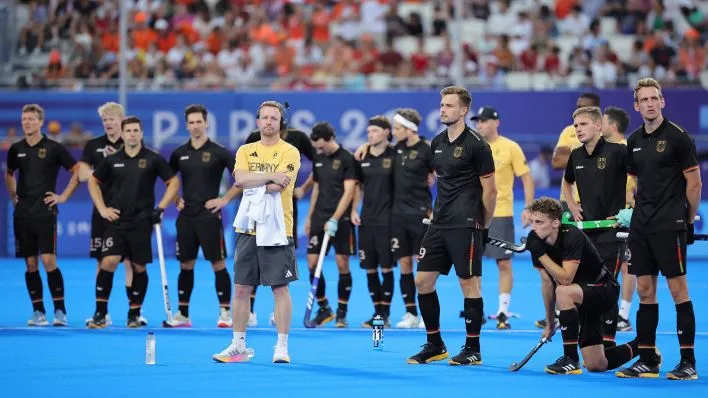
[[262, 211]]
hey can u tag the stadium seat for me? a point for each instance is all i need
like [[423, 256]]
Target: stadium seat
[[608, 26], [622, 46], [406, 45], [518, 80]]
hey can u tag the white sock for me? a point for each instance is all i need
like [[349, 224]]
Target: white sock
[[624, 309], [240, 339], [283, 340], [504, 302]]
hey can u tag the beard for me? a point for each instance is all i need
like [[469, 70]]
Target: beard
[[450, 122]]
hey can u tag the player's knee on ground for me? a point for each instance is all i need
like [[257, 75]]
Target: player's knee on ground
[[32, 264], [187, 265], [243, 291], [49, 261], [342, 263], [646, 289], [216, 266], [425, 282], [678, 286], [595, 363], [471, 287]]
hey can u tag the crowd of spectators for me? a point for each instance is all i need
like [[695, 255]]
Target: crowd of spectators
[[315, 44]]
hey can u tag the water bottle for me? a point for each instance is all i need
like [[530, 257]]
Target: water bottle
[[150, 349], [377, 332]]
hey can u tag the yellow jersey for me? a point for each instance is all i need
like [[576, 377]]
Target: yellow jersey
[[509, 162], [568, 138], [279, 158]]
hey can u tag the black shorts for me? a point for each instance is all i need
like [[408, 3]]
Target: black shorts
[[375, 247], [662, 251], [344, 241], [97, 226], [610, 248], [132, 242], [407, 233], [441, 248], [35, 235], [597, 299], [195, 232]]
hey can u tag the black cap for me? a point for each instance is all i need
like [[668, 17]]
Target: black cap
[[486, 113]]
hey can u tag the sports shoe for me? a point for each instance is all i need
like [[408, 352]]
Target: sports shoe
[[234, 353], [38, 319], [252, 320], [99, 321], [341, 321], [324, 315], [541, 323], [640, 369], [59, 318], [368, 324], [683, 371], [409, 321], [503, 322], [108, 320], [430, 353], [134, 322], [280, 355], [623, 325], [466, 357], [225, 319], [181, 321], [564, 366], [142, 320]]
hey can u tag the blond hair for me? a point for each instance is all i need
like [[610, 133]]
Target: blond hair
[[647, 82], [593, 111], [112, 108], [34, 108], [462, 93]]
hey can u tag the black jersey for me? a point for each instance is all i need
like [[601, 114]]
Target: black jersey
[[202, 171], [601, 178], [460, 165], [376, 176], [294, 137], [658, 160], [38, 168], [573, 245], [95, 152], [411, 192], [132, 182], [329, 173]]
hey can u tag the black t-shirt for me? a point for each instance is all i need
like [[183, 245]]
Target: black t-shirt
[[95, 153], [459, 166], [329, 172], [411, 193], [202, 170], [132, 182], [658, 160], [601, 178], [376, 176], [38, 168], [573, 245], [296, 138]]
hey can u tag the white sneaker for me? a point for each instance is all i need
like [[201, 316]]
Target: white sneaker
[[143, 321], [272, 319], [225, 319], [59, 318], [38, 319], [280, 355], [108, 320], [181, 321], [409, 321], [252, 320], [234, 353], [421, 324]]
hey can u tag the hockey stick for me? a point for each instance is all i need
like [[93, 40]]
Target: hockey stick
[[163, 277], [518, 365], [499, 242], [310, 323], [592, 224]]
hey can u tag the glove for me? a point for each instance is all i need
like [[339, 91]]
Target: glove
[[535, 245], [156, 215], [624, 217], [332, 225], [485, 236], [690, 230]]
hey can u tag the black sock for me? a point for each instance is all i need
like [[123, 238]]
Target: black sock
[[430, 310], [35, 290], [55, 280], [104, 285], [686, 330], [344, 291], [647, 321], [374, 284], [386, 292], [128, 293], [140, 281], [621, 354], [569, 329], [253, 297], [222, 283], [320, 295], [474, 310], [408, 293], [185, 285], [609, 327]]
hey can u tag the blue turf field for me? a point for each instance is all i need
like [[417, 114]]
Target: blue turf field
[[326, 362]]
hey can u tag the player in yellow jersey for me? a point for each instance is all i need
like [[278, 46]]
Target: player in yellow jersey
[[614, 124], [509, 162]]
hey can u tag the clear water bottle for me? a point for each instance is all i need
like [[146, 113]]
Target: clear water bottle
[[150, 349], [377, 332]]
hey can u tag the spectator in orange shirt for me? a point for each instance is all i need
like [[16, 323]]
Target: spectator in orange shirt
[[691, 55], [215, 40], [54, 70], [367, 55], [284, 58], [320, 25], [142, 34], [110, 38], [165, 38]]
